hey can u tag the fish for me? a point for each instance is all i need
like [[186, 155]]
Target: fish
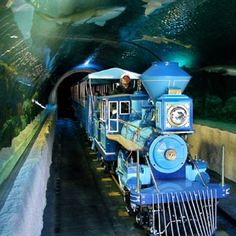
[[49, 62], [21, 7], [23, 15], [98, 16], [221, 69], [24, 83], [153, 5], [163, 39], [7, 4]]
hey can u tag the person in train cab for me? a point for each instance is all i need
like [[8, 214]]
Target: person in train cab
[[124, 86]]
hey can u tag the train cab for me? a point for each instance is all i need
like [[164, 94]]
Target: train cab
[[102, 114], [111, 113]]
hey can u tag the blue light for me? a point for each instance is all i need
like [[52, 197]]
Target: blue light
[[89, 60], [183, 59], [24, 81], [89, 64]]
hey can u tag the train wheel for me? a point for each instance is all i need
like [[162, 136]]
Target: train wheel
[[127, 202], [142, 217]]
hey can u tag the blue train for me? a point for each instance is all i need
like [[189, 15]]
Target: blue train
[[142, 137]]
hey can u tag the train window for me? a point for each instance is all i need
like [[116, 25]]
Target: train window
[[124, 108], [113, 108], [113, 116], [103, 110], [98, 109]]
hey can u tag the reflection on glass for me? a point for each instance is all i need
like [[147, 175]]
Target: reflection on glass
[[113, 110], [124, 108]]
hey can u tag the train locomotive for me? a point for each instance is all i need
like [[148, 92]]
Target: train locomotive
[[142, 138]]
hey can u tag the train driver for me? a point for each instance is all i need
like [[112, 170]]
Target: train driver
[[124, 86]]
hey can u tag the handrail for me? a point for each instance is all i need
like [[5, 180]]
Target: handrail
[[199, 173], [129, 124], [152, 175]]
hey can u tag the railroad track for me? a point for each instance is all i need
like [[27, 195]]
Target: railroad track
[[109, 192], [226, 223]]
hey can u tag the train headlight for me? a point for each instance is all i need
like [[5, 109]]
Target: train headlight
[[174, 113], [178, 115]]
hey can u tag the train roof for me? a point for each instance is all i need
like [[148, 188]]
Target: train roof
[[115, 96], [110, 75]]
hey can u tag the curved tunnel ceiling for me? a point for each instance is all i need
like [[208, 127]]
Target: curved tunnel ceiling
[[63, 34], [43, 39]]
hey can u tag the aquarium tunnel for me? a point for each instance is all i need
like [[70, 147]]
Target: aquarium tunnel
[[48, 46]]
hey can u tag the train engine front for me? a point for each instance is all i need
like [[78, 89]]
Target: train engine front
[[168, 191]]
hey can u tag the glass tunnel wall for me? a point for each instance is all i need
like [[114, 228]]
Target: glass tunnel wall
[[22, 76]]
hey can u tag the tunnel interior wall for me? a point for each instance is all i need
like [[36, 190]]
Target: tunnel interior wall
[[207, 144], [22, 213]]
